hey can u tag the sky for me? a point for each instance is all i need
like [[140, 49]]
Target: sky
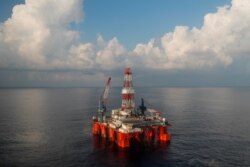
[[61, 43]]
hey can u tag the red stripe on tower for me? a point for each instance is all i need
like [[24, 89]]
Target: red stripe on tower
[[128, 91]]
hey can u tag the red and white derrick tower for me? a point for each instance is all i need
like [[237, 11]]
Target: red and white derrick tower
[[128, 92]]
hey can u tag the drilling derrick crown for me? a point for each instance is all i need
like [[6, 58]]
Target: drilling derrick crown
[[128, 104]]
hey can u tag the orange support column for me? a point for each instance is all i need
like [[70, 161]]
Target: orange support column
[[96, 128], [163, 135], [103, 130], [150, 134], [111, 134], [123, 140]]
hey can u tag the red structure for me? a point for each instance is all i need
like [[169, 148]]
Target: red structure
[[128, 103], [126, 125]]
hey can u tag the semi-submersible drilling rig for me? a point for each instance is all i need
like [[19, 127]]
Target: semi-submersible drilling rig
[[127, 124]]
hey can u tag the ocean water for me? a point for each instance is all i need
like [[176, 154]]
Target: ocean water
[[52, 127]]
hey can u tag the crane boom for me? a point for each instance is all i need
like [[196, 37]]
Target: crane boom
[[103, 100], [106, 91]]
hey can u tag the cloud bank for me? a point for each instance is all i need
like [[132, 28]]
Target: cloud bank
[[38, 36], [223, 37]]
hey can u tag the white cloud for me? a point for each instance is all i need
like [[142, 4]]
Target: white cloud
[[37, 32], [38, 36], [110, 54], [223, 37]]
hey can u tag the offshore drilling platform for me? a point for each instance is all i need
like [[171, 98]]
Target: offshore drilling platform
[[127, 125]]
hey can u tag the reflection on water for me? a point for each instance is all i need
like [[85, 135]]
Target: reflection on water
[[103, 143], [108, 153], [52, 127]]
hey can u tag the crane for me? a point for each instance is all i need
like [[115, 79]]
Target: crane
[[142, 107], [103, 100]]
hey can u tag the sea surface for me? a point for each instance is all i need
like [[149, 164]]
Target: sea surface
[[52, 127]]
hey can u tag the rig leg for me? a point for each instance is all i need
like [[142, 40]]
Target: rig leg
[[96, 128], [112, 134], [103, 129], [163, 135], [123, 140], [150, 134]]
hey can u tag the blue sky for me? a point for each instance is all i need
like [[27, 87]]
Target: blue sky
[[80, 43], [140, 20]]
